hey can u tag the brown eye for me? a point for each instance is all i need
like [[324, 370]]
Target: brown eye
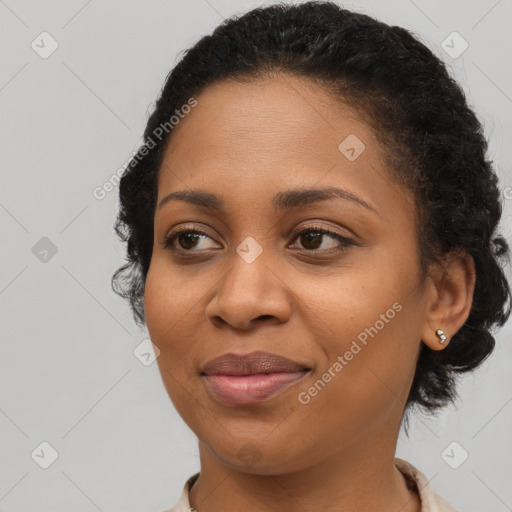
[[312, 239], [185, 240]]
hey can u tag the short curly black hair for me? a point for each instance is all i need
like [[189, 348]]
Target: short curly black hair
[[431, 139]]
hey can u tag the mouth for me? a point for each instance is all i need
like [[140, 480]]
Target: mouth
[[251, 378]]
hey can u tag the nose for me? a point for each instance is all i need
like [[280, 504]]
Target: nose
[[248, 295]]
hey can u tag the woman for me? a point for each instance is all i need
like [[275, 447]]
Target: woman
[[311, 235]]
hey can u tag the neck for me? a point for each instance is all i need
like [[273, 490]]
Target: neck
[[362, 477]]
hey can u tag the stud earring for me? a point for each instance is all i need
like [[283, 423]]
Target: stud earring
[[442, 337]]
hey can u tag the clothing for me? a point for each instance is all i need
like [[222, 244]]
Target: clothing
[[430, 502]]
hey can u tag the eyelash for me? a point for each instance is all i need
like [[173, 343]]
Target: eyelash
[[345, 242]]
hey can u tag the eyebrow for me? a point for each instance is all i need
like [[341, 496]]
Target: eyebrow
[[285, 200]]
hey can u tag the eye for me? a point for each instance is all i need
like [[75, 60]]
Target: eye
[[187, 238], [312, 239]]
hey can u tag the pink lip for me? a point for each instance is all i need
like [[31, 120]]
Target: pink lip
[[242, 379], [251, 389]]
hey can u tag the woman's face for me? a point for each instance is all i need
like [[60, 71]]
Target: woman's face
[[349, 311]]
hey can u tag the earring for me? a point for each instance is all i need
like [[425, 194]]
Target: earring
[[442, 337]]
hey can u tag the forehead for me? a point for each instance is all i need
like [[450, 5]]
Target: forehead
[[273, 134], [280, 117]]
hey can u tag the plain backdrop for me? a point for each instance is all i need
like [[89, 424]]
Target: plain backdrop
[[68, 373]]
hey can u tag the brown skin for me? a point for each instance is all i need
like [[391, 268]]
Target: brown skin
[[245, 142]]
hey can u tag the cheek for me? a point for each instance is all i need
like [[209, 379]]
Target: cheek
[[166, 319], [346, 304], [169, 299], [156, 301], [172, 305], [371, 319], [164, 308]]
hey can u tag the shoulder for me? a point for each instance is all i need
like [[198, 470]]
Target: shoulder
[[183, 504], [430, 501], [443, 505]]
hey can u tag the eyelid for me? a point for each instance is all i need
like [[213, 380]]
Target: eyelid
[[343, 240], [328, 231], [191, 226], [322, 226], [171, 236]]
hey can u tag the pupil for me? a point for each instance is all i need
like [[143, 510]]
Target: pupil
[[310, 237], [189, 237]]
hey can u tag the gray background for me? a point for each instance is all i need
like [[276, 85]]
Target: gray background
[[68, 373]]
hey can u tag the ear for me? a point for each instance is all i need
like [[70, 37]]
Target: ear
[[449, 297]]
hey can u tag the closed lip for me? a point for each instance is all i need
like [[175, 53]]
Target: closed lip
[[251, 364]]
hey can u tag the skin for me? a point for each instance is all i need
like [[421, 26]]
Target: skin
[[244, 142]]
